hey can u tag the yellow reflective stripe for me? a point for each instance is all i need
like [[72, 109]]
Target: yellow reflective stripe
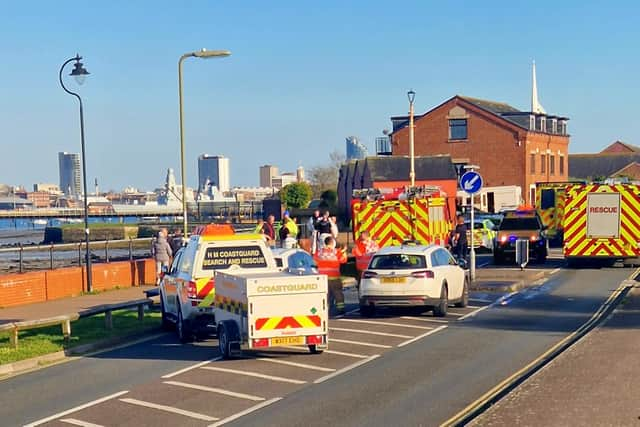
[[305, 322]]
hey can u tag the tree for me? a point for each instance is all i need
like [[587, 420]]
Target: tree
[[296, 195], [329, 198], [325, 177]]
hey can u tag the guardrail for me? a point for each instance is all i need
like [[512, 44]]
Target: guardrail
[[66, 319]]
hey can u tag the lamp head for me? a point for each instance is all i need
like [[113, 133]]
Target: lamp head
[[204, 53], [79, 72], [411, 95]]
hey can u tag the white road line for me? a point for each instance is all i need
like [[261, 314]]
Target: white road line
[[171, 409], [216, 390], [76, 409], [473, 313], [340, 316], [474, 306], [80, 423], [373, 322], [362, 331], [438, 329], [347, 368], [425, 319], [297, 365], [245, 412], [342, 353], [481, 300], [366, 344], [452, 313], [254, 374], [197, 365], [554, 271]]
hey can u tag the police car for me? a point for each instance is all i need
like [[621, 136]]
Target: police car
[[187, 289], [516, 225], [426, 277]]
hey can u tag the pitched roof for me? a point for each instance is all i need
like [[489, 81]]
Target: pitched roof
[[588, 166], [620, 147], [396, 168], [493, 106]]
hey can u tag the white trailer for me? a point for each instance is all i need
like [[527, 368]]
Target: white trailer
[[494, 199], [270, 309]]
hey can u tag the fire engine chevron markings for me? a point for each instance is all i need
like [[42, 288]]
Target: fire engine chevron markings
[[171, 409], [253, 374], [216, 390]]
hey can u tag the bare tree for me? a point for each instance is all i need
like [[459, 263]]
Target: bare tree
[[325, 177]]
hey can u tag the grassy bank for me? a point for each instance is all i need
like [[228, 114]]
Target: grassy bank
[[38, 342]]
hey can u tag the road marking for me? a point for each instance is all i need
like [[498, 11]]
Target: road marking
[[373, 322], [473, 313], [481, 300], [80, 423], [362, 331], [254, 374], [366, 344], [76, 409], [474, 306], [216, 390], [424, 319], [245, 412], [340, 316], [171, 409], [297, 365], [452, 313], [346, 368], [554, 271], [342, 353], [438, 329], [197, 365]]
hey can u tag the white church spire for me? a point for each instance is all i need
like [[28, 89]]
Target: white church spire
[[535, 104]]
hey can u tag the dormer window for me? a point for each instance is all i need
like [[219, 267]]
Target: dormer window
[[532, 122]]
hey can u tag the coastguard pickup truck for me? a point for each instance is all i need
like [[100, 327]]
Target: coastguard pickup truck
[[187, 290]]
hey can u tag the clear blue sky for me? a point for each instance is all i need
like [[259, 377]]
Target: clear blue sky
[[302, 77]]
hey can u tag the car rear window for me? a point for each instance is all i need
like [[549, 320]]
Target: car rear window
[[524, 223], [397, 262], [221, 258]]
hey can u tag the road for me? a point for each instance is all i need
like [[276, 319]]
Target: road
[[402, 369]]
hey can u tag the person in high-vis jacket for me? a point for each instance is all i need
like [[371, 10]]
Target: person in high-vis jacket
[[363, 250], [329, 259]]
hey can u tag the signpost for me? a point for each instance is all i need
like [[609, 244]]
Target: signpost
[[471, 183]]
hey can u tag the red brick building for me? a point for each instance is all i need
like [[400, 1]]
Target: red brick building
[[512, 147], [617, 161]]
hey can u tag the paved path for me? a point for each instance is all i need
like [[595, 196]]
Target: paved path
[[70, 305]]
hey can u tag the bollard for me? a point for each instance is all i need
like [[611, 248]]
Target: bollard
[[106, 250], [141, 312], [130, 249], [51, 257], [20, 261]]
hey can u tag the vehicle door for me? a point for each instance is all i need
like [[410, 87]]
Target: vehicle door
[[451, 272], [169, 284]]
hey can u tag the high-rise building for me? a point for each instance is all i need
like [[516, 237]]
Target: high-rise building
[[355, 149], [300, 174], [213, 171], [69, 167], [267, 173]]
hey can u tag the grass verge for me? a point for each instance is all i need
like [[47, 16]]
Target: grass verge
[[41, 341]]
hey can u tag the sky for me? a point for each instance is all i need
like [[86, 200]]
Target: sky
[[302, 76]]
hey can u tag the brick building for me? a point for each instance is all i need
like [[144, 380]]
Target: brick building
[[619, 160], [512, 147]]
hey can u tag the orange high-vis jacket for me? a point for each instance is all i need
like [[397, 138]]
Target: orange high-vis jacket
[[329, 261], [363, 254]]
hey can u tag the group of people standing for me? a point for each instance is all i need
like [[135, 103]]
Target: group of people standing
[[321, 227], [287, 234]]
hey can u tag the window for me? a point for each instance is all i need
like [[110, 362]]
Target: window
[[543, 163], [552, 165], [533, 163], [397, 262], [561, 165], [547, 198], [457, 129]]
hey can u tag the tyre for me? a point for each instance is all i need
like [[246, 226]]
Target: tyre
[[182, 330], [314, 349], [223, 342], [167, 325], [440, 310], [367, 310], [464, 300]]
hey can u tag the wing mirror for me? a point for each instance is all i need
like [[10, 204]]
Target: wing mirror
[[462, 263]]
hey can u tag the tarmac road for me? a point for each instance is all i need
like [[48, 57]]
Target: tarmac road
[[402, 370]]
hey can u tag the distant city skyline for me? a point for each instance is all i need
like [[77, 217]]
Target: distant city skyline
[[300, 78]]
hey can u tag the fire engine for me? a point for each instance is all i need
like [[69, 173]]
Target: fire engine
[[392, 216], [602, 221], [550, 203]]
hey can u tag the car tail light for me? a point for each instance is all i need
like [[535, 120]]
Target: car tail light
[[534, 238], [192, 290], [261, 342], [369, 274], [425, 274], [314, 339], [503, 238]]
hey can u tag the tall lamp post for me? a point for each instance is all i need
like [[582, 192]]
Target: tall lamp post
[[80, 73], [412, 172], [198, 54]]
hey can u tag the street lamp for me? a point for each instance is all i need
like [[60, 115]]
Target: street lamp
[[80, 74], [412, 172], [198, 54]]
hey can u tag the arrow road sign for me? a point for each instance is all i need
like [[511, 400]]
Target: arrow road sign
[[471, 182]]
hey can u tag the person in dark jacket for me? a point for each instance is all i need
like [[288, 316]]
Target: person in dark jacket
[[161, 252]]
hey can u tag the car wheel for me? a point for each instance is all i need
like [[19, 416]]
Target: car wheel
[[314, 349], [223, 342], [181, 328], [440, 310], [464, 299], [367, 310], [166, 323]]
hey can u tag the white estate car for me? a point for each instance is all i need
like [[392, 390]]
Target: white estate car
[[417, 276]]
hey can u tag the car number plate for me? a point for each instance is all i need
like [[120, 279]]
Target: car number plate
[[393, 280], [286, 341]]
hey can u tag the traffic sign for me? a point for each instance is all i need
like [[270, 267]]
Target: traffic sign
[[471, 182]]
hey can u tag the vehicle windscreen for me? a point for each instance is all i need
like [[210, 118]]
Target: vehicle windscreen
[[397, 262], [524, 223], [223, 257]]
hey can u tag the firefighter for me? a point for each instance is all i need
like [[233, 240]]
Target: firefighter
[[362, 251], [329, 259]]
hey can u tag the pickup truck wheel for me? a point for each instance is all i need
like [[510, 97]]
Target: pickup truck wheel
[[464, 299], [223, 343], [314, 349], [181, 329], [440, 310], [166, 323]]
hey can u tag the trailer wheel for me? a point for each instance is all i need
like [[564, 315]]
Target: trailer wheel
[[314, 349], [223, 342]]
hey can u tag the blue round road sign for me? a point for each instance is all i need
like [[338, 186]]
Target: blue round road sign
[[471, 182]]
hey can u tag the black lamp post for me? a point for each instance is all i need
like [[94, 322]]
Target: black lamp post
[[80, 73]]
